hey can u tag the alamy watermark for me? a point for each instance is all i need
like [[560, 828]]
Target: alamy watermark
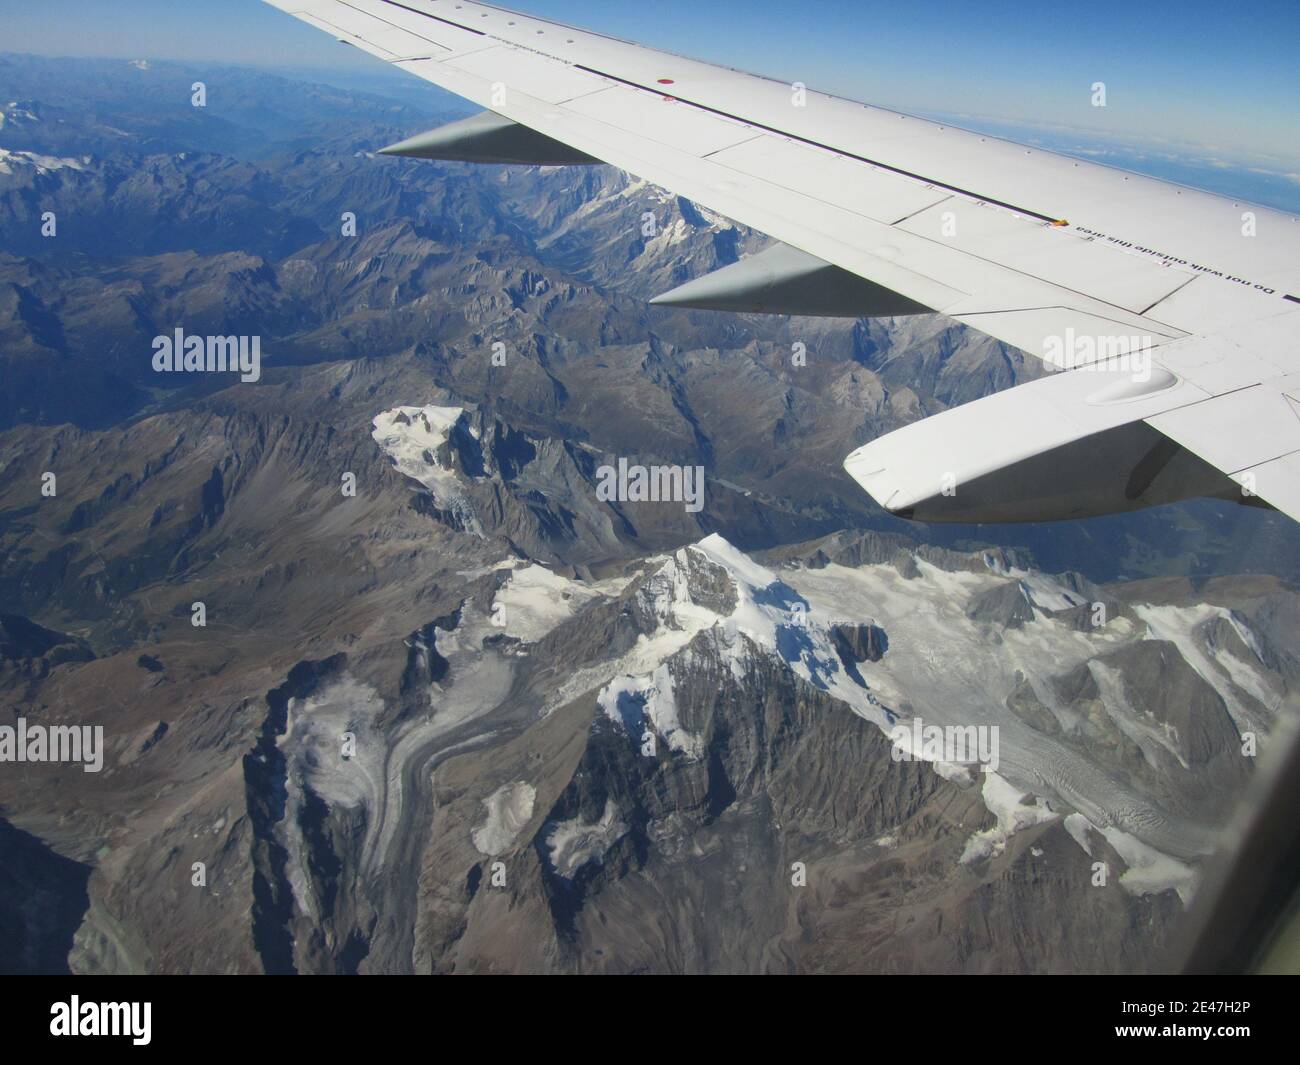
[[629, 483], [1110, 352], [915, 741], [77, 1018], [53, 743], [179, 353]]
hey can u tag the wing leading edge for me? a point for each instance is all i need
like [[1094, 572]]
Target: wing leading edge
[[1067, 260]]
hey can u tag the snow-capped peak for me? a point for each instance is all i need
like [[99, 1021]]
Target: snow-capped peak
[[42, 164], [712, 587], [413, 437]]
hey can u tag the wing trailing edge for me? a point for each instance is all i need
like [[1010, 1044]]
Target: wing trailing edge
[[1071, 445]]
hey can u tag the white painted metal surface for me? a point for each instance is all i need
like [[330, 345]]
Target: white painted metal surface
[[1023, 244]]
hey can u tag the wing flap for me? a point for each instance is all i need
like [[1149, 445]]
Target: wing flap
[[1072, 260], [1237, 430], [1066, 446]]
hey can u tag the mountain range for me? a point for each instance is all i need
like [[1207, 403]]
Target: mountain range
[[448, 710]]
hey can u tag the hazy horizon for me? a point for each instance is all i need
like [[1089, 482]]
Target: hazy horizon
[[1194, 73]]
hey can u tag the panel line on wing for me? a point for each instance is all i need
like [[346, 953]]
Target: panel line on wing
[[427, 14], [728, 147], [827, 147], [1168, 294], [348, 36], [919, 210], [396, 26]]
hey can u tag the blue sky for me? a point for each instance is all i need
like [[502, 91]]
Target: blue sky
[[1214, 81]]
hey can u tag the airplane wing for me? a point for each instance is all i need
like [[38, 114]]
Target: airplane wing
[[1172, 313]]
